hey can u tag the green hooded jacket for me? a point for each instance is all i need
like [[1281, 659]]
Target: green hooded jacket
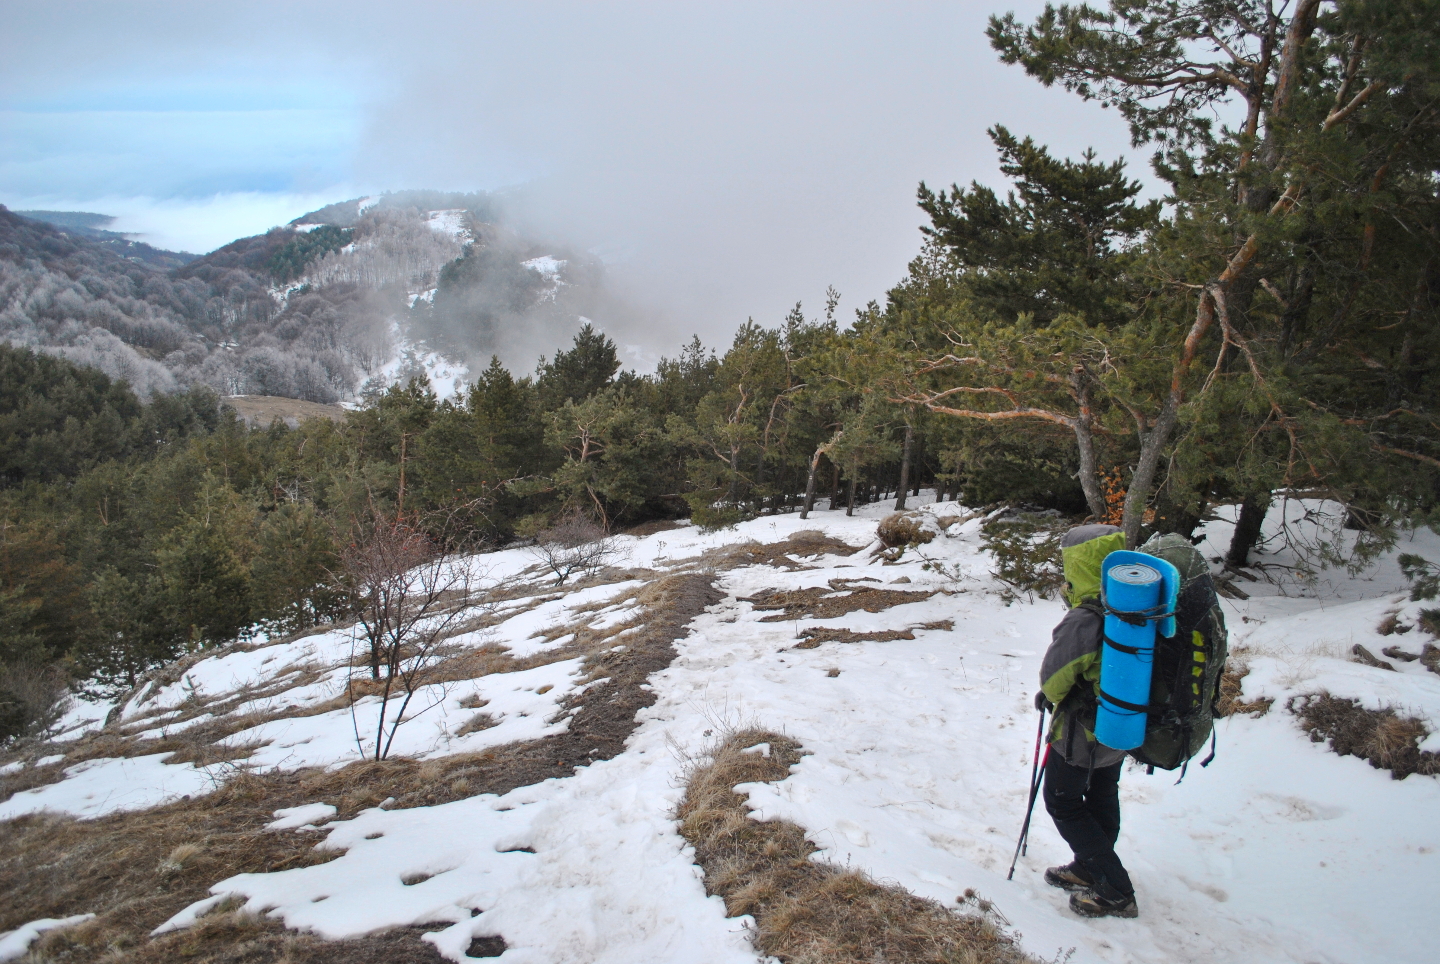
[[1070, 672]]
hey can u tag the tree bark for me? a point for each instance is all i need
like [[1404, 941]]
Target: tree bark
[[850, 502], [903, 486], [810, 484], [1247, 528], [1085, 444]]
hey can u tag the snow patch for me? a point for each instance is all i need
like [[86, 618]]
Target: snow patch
[[15, 943], [301, 818], [99, 787]]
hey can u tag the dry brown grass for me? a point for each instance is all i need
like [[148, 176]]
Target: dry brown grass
[[903, 529], [1231, 682], [135, 870], [782, 555], [1385, 738], [821, 603], [808, 912], [235, 937], [815, 636]]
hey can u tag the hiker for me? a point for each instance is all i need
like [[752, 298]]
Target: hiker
[[1082, 776]]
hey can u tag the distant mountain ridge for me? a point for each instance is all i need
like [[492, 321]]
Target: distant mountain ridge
[[86, 224], [334, 306]]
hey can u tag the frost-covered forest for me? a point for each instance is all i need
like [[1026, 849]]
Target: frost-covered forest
[[335, 306]]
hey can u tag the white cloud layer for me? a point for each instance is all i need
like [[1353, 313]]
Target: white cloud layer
[[727, 159]]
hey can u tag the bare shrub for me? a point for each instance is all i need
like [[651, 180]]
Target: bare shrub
[[574, 544], [1385, 738], [809, 912], [409, 589]]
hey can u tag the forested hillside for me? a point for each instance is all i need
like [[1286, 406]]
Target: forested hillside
[[336, 306], [1269, 328]]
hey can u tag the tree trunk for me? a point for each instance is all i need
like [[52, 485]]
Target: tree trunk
[[1247, 528], [1085, 444], [903, 486], [1143, 478], [850, 502], [810, 484]]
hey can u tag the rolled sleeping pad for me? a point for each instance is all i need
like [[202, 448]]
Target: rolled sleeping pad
[[1139, 583]]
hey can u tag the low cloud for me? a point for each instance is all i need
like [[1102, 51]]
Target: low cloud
[[724, 160]]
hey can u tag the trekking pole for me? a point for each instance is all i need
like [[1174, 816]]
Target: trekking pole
[[1034, 795], [1035, 777]]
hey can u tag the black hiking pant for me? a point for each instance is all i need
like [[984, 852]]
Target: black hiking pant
[[1088, 817]]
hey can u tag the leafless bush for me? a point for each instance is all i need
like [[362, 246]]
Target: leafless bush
[[410, 590], [574, 544]]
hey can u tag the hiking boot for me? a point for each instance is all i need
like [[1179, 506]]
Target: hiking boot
[[1104, 902], [1072, 876]]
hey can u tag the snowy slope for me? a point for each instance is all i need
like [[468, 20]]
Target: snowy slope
[[919, 754]]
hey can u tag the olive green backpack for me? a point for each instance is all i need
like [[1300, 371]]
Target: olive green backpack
[[1185, 681]]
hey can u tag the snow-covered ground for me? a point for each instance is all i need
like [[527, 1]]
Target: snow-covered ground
[[451, 222], [447, 376], [919, 755]]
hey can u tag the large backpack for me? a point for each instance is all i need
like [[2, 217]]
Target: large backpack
[[1185, 680]]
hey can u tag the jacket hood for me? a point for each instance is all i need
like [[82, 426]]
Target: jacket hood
[[1082, 549]]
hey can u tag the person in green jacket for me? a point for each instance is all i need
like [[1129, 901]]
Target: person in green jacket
[[1082, 775]]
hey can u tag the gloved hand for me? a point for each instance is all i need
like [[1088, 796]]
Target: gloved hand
[[1042, 702]]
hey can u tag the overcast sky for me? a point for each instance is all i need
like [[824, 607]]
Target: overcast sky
[[727, 159]]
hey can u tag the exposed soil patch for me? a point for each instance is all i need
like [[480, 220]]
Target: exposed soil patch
[[809, 912], [815, 636], [1389, 741], [121, 868], [829, 603]]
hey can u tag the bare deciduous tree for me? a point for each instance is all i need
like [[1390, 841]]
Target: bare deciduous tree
[[574, 544], [410, 589]]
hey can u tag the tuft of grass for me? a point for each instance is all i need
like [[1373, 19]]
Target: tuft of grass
[[806, 911], [903, 529], [1385, 738], [1231, 683]]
